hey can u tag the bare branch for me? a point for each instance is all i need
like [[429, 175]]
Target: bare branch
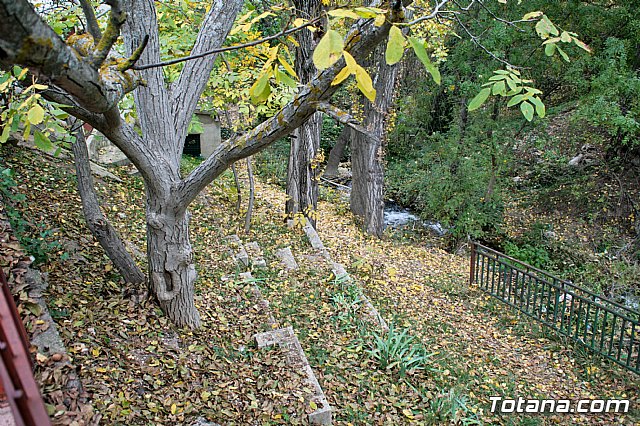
[[92, 21], [477, 42], [345, 118], [433, 14], [129, 63], [229, 48]]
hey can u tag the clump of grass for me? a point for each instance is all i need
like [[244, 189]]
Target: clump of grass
[[398, 351]]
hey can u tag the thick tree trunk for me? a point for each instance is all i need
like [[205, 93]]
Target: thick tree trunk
[[367, 154], [171, 268], [98, 224], [337, 152], [302, 177], [302, 172]]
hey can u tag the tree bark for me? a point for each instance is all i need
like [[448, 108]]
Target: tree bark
[[98, 224], [367, 154], [302, 173], [337, 152], [171, 268]]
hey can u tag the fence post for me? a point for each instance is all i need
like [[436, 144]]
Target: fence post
[[472, 269]]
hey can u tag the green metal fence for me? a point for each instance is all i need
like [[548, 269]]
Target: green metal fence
[[602, 325]]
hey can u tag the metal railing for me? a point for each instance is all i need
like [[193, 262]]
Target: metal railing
[[602, 325], [16, 374]]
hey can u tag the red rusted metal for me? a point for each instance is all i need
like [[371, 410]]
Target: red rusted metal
[[16, 366]]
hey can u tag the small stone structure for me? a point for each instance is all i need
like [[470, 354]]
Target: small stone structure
[[201, 144], [210, 137]]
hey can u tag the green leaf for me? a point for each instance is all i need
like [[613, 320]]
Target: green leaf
[[35, 114], [479, 99], [328, 50], [261, 89], [5, 134], [421, 53], [395, 46], [532, 15], [499, 88], [540, 108], [284, 78], [515, 100], [527, 110], [565, 37], [41, 141], [550, 49], [563, 54], [512, 84]]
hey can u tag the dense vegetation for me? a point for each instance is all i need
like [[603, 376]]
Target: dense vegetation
[[476, 171]]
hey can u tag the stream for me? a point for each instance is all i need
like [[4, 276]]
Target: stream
[[397, 216]]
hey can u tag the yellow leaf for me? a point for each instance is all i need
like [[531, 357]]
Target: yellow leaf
[[407, 413], [174, 408], [287, 67], [365, 84], [343, 13], [342, 75], [328, 50], [379, 20], [35, 114], [395, 46], [313, 405], [351, 62]]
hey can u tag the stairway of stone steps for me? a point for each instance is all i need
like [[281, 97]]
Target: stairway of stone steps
[[248, 257], [369, 311]]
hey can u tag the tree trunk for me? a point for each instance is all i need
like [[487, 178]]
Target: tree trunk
[[302, 172], [171, 268], [98, 224], [337, 152], [302, 176], [252, 190], [367, 154]]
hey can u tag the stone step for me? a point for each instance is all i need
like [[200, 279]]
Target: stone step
[[255, 255], [286, 339], [237, 250], [286, 258]]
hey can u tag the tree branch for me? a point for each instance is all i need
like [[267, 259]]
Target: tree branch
[[230, 48], [98, 224], [117, 17], [25, 39], [186, 90], [345, 118], [92, 21]]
